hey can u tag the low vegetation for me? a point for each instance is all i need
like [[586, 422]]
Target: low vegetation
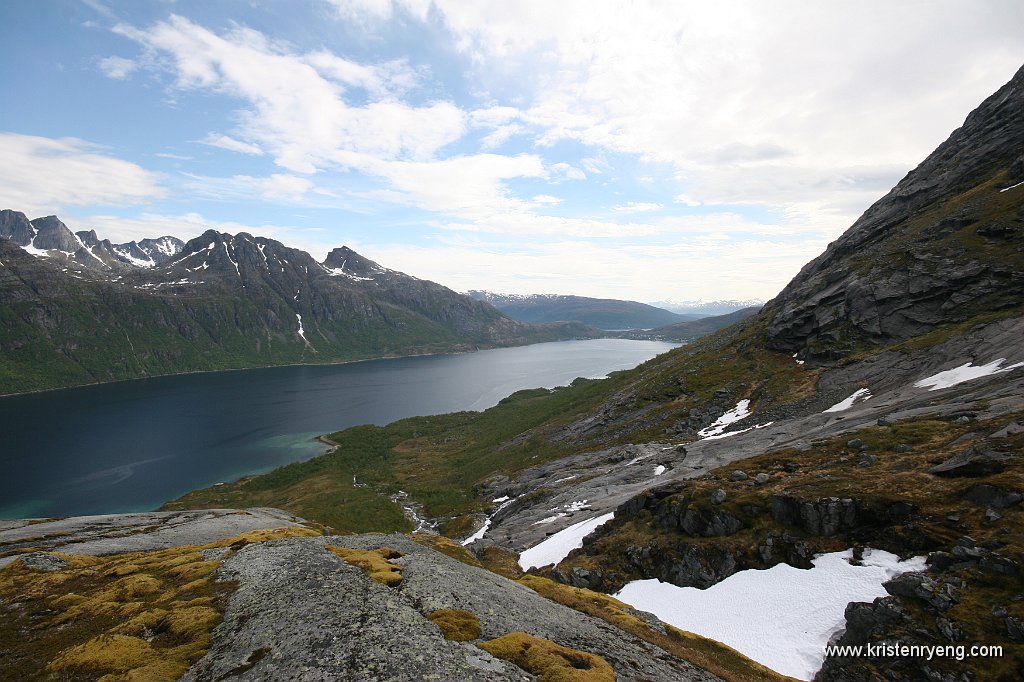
[[456, 625], [550, 662], [139, 616], [439, 460], [374, 562]]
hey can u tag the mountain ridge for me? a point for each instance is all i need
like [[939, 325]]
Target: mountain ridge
[[217, 301], [603, 313]]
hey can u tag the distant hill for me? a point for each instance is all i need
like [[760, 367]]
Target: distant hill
[[707, 308], [603, 313], [694, 329]]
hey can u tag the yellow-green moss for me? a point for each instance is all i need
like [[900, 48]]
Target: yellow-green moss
[[374, 562], [549, 661], [456, 624], [143, 616], [446, 546], [104, 654]]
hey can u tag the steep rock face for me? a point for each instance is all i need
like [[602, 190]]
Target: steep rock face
[[51, 233], [16, 227], [943, 246]]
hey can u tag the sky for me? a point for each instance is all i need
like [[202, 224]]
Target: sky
[[672, 151]]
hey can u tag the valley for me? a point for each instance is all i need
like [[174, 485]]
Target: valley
[[399, 482]]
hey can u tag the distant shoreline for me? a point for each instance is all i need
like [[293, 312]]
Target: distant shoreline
[[332, 363], [349, 361]]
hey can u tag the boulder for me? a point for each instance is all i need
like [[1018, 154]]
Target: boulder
[[985, 495], [824, 516], [940, 596], [972, 462]]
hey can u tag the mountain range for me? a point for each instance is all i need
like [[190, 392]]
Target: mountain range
[[876, 404], [603, 313], [76, 309], [707, 308]]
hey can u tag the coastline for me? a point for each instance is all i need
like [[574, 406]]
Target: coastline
[[343, 361]]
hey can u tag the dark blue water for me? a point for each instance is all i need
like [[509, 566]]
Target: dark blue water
[[134, 445]]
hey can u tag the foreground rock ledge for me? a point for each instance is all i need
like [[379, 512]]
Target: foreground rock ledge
[[299, 612]]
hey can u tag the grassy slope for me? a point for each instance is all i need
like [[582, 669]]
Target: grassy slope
[[438, 460]]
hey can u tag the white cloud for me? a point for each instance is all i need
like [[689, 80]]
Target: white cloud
[[638, 207], [565, 170], [117, 68], [279, 187], [295, 104], [379, 10], [524, 223], [546, 199], [231, 144], [469, 187], [784, 89], [42, 174], [685, 200], [714, 268]]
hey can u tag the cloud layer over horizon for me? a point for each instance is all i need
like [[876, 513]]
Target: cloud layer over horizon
[[647, 151]]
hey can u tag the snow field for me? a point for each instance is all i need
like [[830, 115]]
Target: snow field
[[557, 547], [781, 617]]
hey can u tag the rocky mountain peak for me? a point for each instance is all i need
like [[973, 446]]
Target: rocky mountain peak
[[16, 226], [348, 262], [51, 233], [942, 246]]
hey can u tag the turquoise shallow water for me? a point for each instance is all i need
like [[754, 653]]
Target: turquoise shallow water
[[133, 445]]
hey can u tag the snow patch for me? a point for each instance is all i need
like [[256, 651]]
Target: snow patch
[[487, 523], [138, 262], [302, 332], [39, 253], [498, 500], [741, 411], [965, 372], [1007, 189], [717, 436], [557, 547], [339, 272], [228, 254], [859, 395], [659, 470], [781, 617]]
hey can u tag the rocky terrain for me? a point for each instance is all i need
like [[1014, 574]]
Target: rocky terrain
[[296, 603], [878, 402], [941, 246]]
